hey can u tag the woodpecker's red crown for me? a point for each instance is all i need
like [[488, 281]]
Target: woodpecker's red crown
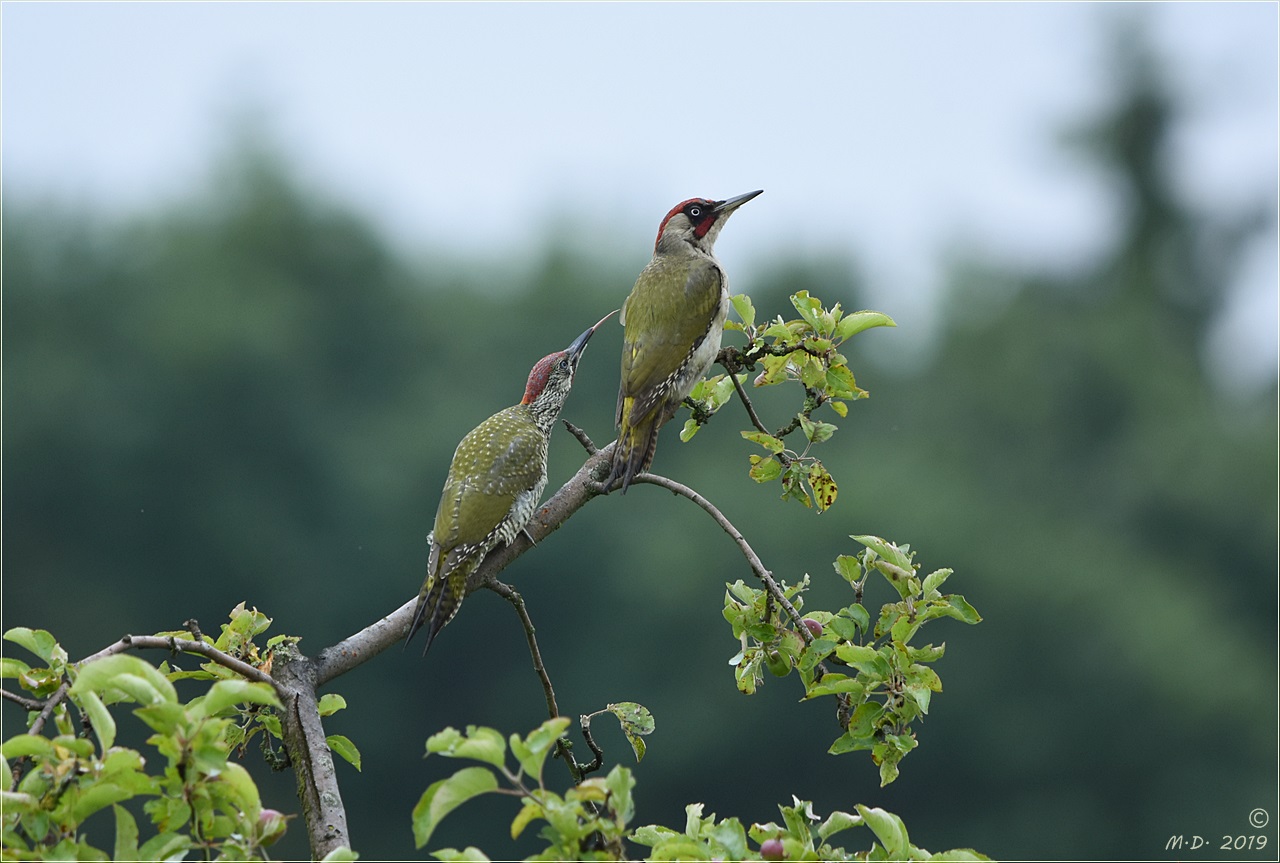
[[541, 373], [700, 212]]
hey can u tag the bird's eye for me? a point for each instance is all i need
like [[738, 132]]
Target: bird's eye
[[694, 211], [564, 363]]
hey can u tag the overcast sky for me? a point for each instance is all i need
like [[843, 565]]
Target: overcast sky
[[895, 131]]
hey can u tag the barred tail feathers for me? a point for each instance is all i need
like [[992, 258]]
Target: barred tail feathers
[[439, 600], [637, 443]]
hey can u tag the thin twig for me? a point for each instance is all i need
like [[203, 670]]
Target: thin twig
[[49, 706], [584, 721], [152, 642], [563, 748], [183, 645], [26, 703], [748, 552], [511, 595], [746, 403], [583, 438]]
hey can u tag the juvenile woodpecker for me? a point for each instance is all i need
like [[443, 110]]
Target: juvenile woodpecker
[[495, 482], [674, 319]]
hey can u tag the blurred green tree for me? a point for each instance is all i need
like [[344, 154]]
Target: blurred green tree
[[248, 389]]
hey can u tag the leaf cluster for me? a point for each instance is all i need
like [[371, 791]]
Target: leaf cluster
[[590, 821], [197, 800], [802, 835], [887, 682], [804, 351]]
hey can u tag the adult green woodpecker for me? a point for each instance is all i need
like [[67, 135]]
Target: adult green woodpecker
[[495, 482], [674, 319]]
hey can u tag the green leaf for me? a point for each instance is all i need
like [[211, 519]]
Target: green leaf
[[808, 307], [816, 431], [12, 668], [933, 581], [126, 847], [140, 680], [889, 551], [341, 855], [855, 322], [636, 722], [812, 371], [848, 567], [904, 628], [840, 383], [824, 487], [470, 854], [834, 683], [163, 716], [444, 796], [920, 695], [97, 796], [768, 441], [619, 783], [532, 751], [228, 693], [531, 810], [744, 308], [39, 642], [680, 848], [962, 610], [775, 370], [330, 703], [865, 718], [241, 790], [652, 834], [690, 429], [958, 855], [165, 846], [889, 829], [344, 747], [26, 745], [104, 726], [836, 822], [764, 469]]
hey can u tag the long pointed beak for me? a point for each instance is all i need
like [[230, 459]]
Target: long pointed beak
[[579, 344], [731, 204]]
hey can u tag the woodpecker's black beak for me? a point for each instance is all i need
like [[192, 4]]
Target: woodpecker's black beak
[[574, 351], [728, 206]]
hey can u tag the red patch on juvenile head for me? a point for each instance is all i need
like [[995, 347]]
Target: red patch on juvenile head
[[699, 228], [538, 377]]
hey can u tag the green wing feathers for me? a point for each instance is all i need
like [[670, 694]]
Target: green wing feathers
[[669, 312]]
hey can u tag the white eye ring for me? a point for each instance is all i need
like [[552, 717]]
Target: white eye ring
[[695, 211]]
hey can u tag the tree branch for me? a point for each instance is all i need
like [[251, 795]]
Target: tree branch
[[746, 403], [183, 645], [512, 596], [21, 700], [362, 646], [736, 535], [310, 757]]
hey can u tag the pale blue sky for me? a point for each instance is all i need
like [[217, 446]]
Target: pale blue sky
[[899, 132]]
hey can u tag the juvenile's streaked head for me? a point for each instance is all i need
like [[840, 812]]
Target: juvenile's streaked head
[[552, 376], [697, 222]]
